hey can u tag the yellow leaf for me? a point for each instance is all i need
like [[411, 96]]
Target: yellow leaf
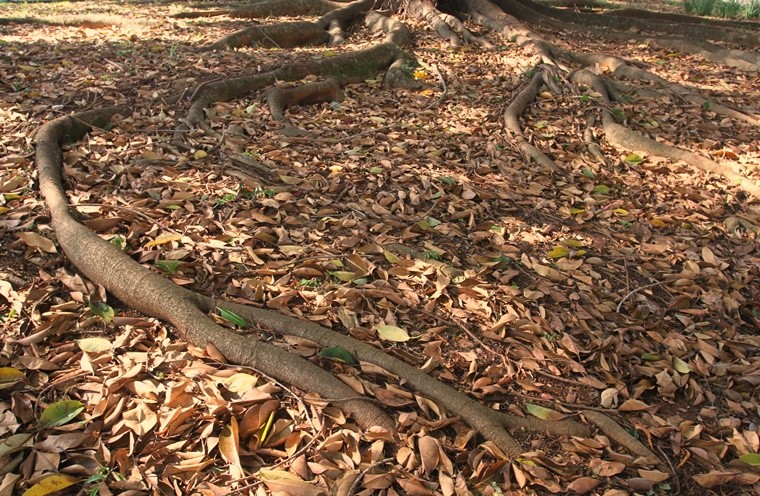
[[391, 257], [620, 212], [163, 240], [392, 333], [426, 92], [577, 211], [681, 366], [200, 154], [51, 484], [657, 222], [94, 345], [573, 243], [543, 413], [3, 210], [9, 374], [241, 382], [558, 252]]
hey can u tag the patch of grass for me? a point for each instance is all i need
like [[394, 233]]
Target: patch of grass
[[752, 10], [728, 8], [699, 7]]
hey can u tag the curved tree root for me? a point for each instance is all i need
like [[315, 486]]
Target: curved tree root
[[278, 99], [613, 430], [148, 292], [327, 29], [512, 118], [623, 137]]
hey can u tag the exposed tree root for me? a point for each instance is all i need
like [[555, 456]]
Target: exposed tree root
[[273, 8], [327, 28], [532, 11], [627, 139], [682, 18], [148, 292], [278, 99], [517, 107]]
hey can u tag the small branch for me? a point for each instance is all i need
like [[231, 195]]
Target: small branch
[[637, 290]]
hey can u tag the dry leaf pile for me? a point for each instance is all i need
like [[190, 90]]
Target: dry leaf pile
[[403, 217]]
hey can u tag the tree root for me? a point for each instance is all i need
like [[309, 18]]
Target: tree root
[[273, 8], [511, 119], [327, 29], [627, 139], [613, 430], [149, 293], [532, 11], [278, 99]]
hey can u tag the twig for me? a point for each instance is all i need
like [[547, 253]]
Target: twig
[[575, 406], [130, 210], [295, 455], [355, 485], [642, 288]]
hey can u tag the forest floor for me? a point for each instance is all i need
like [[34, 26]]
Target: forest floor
[[405, 217]]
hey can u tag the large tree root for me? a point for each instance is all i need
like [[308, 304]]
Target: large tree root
[[532, 11], [293, 34], [148, 292], [274, 8], [627, 139]]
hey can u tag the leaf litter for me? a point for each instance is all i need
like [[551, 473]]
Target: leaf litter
[[628, 287]]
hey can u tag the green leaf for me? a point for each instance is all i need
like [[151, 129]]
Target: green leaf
[[391, 257], [168, 266], [601, 189], [573, 243], [343, 275], [633, 159], [650, 357], [543, 413], [339, 354], [60, 412], [376, 170], [751, 458], [448, 180], [102, 310], [432, 222], [232, 317], [588, 173], [94, 345], [392, 333]]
